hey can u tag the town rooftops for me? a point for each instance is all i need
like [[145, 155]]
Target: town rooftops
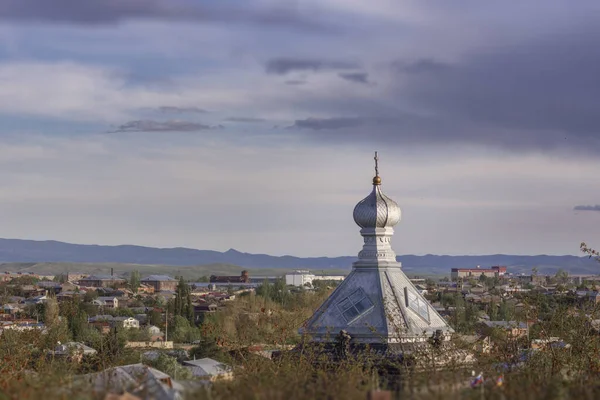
[[492, 269], [102, 278], [158, 278]]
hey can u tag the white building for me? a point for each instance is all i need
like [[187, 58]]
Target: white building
[[127, 322], [299, 278], [305, 278]]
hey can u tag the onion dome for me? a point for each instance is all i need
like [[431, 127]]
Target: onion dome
[[376, 210]]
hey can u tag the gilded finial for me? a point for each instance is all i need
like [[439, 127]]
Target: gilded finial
[[376, 179]]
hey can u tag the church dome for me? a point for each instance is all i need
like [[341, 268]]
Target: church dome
[[376, 210]]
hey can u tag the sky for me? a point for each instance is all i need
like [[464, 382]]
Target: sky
[[252, 124]]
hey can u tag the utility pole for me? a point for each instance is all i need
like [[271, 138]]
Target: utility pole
[[166, 323]]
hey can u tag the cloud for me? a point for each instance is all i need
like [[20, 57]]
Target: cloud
[[102, 12], [157, 126], [244, 119], [294, 82], [282, 66], [318, 124], [421, 66], [587, 208], [357, 77], [539, 86], [181, 110]]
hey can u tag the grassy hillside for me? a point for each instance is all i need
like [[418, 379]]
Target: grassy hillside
[[188, 272]]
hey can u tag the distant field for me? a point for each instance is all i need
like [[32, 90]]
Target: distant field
[[188, 272]]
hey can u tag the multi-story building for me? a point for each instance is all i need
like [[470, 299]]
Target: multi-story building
[[107, 302], [496, 271]]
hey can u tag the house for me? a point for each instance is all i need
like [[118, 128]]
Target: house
[[102, 281], [51, 287], [591, 296], [102, 326], [142, 318], [72, 348], [101, 318], [144, 288], [209, 369], [137, 379], [478, 343], [201, 309], [155, 333], [11, 309], [551, 342], [243, 278], [513, 329], [37, 300], [160, 282], [106, 301], [127, 322]]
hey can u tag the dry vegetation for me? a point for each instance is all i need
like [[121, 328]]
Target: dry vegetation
[[271, 318]]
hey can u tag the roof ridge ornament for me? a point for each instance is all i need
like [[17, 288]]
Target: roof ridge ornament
[[376, 179]]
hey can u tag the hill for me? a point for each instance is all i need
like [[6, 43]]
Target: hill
[[120, 269], [185, 260]]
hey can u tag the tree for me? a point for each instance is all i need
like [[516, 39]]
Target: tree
[[90, 296], [182, 305], [183, 331], [134, 281], [155, 318], [78, 325], [561, 277], [51, 311], [589, 251], [170, 366]]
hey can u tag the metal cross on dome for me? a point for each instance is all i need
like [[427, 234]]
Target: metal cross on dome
[[376, 164]]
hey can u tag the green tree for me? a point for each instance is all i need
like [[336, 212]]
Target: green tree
[[78, 325], [170, 366], [155, 318], [134, 281]]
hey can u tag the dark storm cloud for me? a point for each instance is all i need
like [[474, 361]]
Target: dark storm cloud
[[540, 95], [282, 66], [93, 12], [551, 84], [181, 110], [161, 126], [244, 119], [587, 208], [356, 77]]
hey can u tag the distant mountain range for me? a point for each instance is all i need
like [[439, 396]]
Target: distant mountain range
[[30, 251]]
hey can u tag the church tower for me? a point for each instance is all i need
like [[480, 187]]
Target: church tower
[[377, 304]]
